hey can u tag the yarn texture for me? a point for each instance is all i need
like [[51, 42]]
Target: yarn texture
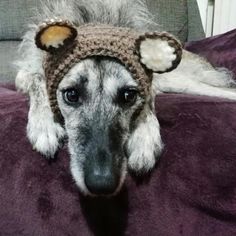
[[86, 41]]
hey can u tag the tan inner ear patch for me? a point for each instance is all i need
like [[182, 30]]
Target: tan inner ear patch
[[55, 35]]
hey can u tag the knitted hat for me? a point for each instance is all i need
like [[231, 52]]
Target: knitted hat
[[141, 54]]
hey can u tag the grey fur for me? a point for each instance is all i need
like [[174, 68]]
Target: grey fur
[[92, 126], [98, 122]]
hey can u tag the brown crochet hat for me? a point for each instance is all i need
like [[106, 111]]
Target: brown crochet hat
[[141, 54]]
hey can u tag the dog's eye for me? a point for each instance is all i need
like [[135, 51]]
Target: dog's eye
[[128, 96], [71, 96]]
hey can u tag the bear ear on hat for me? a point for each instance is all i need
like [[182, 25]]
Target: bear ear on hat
[[159, 52], [54, 34]]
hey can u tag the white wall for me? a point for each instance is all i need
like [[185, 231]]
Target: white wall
[[202, 4], [218, 16], [224, 16], [206, 8]]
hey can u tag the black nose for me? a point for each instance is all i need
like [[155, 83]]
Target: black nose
[[101, 182]]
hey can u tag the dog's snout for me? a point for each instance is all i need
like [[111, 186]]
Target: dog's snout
[[101, 175], [101, 182]]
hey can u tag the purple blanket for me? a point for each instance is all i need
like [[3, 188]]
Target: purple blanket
[[191, 192]]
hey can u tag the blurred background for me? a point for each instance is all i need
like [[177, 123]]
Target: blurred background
[[218, 16]]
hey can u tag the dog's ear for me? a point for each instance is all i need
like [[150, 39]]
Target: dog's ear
[[159, 52], [55, 34]]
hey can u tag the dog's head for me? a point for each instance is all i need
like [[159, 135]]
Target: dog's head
[[99, 87]]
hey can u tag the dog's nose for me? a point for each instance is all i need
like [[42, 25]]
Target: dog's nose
[[101, 182]]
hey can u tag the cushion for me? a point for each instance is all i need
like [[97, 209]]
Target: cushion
[[195, 28], [192, 191], [181, 18], [14, 16], [8, 50]]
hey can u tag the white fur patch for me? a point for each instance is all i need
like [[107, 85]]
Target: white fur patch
[[145, 145], [23, 81], [43, 132], [157, 55]]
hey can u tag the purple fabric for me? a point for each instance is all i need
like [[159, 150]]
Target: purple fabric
[[220, 50], [191, 192]]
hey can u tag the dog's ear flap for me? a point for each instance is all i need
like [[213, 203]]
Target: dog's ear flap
[[55, 34], [159, 52]]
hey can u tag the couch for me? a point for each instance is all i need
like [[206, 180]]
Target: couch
[[192, 190]]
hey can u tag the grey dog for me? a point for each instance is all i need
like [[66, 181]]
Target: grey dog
[[101, 143]]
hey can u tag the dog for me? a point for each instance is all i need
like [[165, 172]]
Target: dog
[[104, 138]]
